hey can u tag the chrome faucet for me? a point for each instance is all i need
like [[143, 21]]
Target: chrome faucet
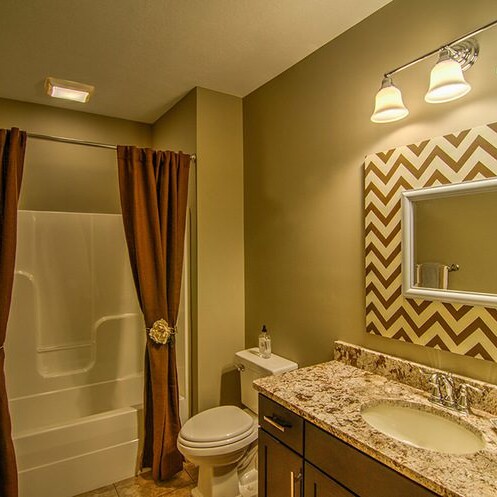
[[434, 381], [447, 389], [445, 393]]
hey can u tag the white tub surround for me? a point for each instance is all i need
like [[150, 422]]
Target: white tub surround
[[75, 348]]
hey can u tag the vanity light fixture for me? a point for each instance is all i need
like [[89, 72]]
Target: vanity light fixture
[[447, 81], [389, 106], [68, 90]]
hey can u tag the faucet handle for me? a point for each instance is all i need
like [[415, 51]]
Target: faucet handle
[[434, 380], [462, 397], [430, 375], [465, 387], [448, 377]]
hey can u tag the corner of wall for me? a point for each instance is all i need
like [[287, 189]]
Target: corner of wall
[[221, 300]]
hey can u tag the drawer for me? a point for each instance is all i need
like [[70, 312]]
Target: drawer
[[358, 472], [317, 484], [283, 424]]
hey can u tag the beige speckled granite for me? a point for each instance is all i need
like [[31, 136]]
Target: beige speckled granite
[[411, 373], [331, 395]]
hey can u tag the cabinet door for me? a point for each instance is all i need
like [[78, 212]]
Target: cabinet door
[[280, 469], [361, 474], [317, 484]]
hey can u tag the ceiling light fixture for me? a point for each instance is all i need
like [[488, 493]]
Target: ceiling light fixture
[[68, 90], [447, 81]]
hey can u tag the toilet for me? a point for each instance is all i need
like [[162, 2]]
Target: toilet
[[217, 439]]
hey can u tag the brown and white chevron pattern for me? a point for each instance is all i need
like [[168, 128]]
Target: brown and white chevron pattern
[[463, 329]]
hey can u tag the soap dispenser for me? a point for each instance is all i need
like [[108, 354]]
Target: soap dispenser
[[264, 343]]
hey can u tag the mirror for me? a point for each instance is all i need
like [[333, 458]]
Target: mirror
[[449, 241]]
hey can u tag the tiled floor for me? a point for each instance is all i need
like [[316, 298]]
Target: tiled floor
[[143, 486]]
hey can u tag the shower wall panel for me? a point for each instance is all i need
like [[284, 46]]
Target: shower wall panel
[[74, 307]]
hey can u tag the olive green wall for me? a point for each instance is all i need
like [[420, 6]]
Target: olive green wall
[[221, 290], [67, 177], [209, 123], [177, 129], [306, 134]]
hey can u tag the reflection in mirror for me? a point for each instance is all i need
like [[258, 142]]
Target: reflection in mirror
[[449, 243], [455, 242]]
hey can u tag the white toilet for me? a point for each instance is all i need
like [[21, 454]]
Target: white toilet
[[217, 439]]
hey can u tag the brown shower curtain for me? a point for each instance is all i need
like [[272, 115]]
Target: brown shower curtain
[[12, 149], [154, 190]]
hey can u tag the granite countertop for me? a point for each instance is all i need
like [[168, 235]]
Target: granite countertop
[[330, 395]]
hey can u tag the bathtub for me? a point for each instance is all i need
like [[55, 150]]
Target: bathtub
[[74, 355], [91, 430], [63, 435]]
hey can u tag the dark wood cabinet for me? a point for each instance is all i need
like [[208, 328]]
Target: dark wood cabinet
[[280, 469], [317, 484], [298, 459], [356, 471]]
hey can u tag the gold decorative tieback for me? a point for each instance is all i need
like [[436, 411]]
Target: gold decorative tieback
[[161, 332]]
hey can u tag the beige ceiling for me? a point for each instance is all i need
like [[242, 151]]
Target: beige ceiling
[[144, 55]]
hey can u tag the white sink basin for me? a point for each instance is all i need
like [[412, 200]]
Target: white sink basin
[[415, 425]]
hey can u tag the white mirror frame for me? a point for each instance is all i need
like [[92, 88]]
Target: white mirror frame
[[409, 198]]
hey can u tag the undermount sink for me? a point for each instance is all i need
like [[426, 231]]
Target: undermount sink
[[416, 425]]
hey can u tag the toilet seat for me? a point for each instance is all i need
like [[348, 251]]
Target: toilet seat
[[216, 443], [217, 426], [217, 450], [217, 431]]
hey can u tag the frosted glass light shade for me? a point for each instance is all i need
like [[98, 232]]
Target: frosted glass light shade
[[447, 82], [68, 90], [389, 106]]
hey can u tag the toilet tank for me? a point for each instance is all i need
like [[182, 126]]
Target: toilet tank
[[255, 366]]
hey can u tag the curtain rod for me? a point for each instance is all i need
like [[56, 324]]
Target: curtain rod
[[75, 141]]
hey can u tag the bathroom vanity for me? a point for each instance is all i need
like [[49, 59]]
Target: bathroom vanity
[[299, 459], [315, 442]]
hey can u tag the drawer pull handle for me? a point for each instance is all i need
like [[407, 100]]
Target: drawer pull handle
[[293, 479], [277, 423]]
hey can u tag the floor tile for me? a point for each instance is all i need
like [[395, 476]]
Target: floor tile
[[108, 491], [144, 486], [182, 492]]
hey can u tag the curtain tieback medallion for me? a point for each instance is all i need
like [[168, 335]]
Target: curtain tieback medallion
[[161, 332]]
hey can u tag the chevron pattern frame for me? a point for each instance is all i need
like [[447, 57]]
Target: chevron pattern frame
[[463, 329]]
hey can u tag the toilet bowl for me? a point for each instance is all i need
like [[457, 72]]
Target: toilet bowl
[[217, 439]]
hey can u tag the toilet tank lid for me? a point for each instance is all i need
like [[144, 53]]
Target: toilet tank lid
[[273, 365]]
